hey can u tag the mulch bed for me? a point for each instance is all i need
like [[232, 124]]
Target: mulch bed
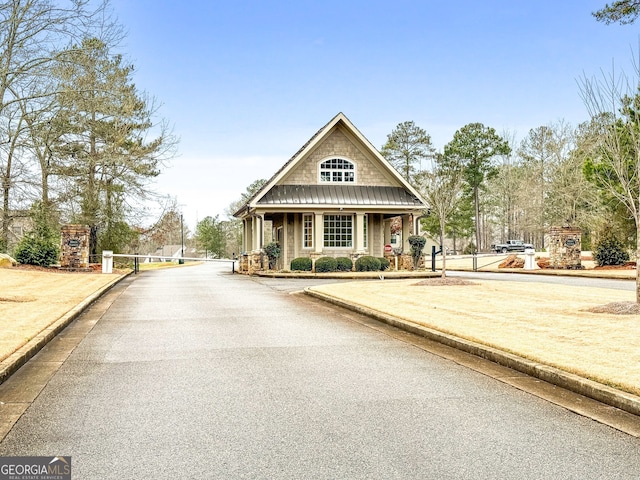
[[617, 308], [626, 266]]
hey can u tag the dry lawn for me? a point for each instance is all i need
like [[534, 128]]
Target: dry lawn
[[550, 324], [32, 300]]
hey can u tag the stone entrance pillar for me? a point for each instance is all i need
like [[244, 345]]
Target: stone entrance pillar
[[565, 248], [74, 247]]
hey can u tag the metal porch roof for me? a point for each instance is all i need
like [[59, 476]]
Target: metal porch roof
[[332, 194]]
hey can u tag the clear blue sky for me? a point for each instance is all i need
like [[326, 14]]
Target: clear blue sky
[[245, 83]]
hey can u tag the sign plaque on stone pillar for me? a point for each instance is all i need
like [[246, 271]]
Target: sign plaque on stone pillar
[[74, 247]]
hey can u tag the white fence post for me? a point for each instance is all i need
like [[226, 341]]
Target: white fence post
[[107, 261]]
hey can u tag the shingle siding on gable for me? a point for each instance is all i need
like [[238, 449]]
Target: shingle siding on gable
[[337, 144]]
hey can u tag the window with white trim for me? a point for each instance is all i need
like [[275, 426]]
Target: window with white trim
[[338, 231], [337, 170], [307, 230]]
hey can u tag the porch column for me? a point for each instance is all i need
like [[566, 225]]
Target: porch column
[[256, 230], [245, 235], [260, 233], [253, 234], [284, 247], [386, 231], [318, 231], [359, 233], [407, 227]]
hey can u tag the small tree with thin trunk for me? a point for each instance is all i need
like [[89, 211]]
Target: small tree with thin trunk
[[442, 190]]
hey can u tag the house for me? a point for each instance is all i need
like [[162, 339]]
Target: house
[[337, 196], [173, 251], [19, 223]]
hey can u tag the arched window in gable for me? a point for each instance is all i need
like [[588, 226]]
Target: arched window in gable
[[337, 170]]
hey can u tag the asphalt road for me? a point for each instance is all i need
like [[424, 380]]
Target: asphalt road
[[195, 373], [613, 283]]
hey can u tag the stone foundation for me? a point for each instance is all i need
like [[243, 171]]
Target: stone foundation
[[250, 263], [405, 262], [253, 262]]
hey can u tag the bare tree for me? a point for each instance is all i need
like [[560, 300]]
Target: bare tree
[[442, 189], [13, 170], [571, 198], [543, 153], [615, 103]]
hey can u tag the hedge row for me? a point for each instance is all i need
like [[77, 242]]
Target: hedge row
[[340, 264]]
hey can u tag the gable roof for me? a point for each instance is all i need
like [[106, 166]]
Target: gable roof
[[319, 136]]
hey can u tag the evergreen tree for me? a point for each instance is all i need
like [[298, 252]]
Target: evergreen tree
[[407, 147], [210, 236], [473, 149], [105, 149]]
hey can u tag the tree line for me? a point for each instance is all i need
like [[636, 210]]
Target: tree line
[[503, 189], [79, 143]]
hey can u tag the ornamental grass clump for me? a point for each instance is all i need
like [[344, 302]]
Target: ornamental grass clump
[[367, 264], [326, 264], [301, 264]]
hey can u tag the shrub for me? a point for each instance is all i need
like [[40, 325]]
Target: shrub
[[301, 264], [417, 243], [34, 250], [384, 263], [273, 253], [326, 264], [610, 251], [367, 264], [470, 249], [40, 246], [344, 264]]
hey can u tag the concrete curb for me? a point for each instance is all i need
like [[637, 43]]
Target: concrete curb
[[588, 388], [21, 356], [388, 275]]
